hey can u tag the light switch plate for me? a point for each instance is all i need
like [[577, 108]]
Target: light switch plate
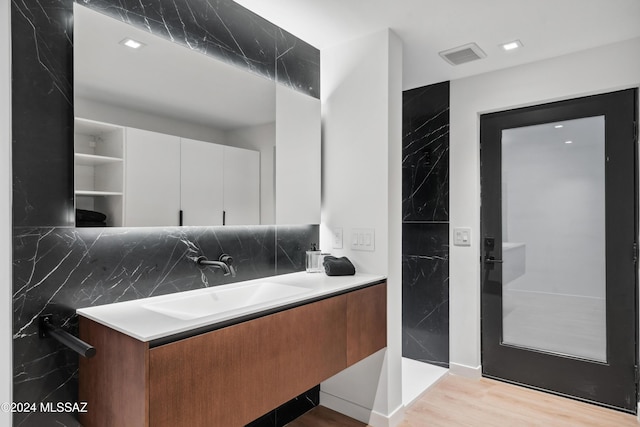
[[363, 239], [337, 238], [462, 236]]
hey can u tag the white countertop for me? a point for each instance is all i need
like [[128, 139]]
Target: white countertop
[[131, 318]]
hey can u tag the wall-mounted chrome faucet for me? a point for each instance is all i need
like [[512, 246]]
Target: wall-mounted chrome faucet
[[225, 263]]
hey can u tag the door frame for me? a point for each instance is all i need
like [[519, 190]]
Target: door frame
[[573, 368]]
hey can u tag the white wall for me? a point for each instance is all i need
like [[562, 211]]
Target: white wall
[[102, 112], [593, 71], [361, 185], [5, 211], [263, 139]]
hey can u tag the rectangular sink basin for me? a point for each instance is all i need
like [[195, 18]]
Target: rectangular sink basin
[[221, 301]]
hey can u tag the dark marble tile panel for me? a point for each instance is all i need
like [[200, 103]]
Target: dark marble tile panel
[[289, 411], [42, 109], [298, 406], [297, 64], [292, 244], [267, 420], [425, 293], [44, 371], [425, 149]]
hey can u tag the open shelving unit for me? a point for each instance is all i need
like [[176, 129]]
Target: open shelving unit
[[99, 169]]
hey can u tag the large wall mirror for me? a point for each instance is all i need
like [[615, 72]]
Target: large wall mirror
[[165, 135]]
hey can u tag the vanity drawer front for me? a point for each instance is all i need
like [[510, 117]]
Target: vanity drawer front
[[114, 382], [366, 322], [233, 375]]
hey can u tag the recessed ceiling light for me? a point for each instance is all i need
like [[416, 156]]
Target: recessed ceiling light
[[512, 45], [133, 44], [558, 126], [568, 142]]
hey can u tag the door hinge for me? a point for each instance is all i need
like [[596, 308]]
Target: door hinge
[[635, 252], [635, 131], [637, 374]]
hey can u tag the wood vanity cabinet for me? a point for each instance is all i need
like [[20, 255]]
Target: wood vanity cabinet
[[230, 376]]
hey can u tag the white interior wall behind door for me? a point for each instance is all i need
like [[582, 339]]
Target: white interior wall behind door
[[598, 70], [555, 198]]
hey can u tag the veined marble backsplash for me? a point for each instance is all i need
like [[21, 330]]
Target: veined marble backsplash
[[57, 270]]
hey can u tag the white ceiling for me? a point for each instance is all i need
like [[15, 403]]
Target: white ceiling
[[547, 28]]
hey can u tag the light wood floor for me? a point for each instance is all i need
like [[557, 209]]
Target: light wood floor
[[458, 401], [321, 417]]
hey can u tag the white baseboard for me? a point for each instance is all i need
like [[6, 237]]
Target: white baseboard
[[378, 420], [465, 371], [360, 413]]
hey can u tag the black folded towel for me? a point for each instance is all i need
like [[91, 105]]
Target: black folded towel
[[338, 266], [90, 216]]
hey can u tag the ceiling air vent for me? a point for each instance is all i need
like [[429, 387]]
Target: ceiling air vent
[[461, 54]]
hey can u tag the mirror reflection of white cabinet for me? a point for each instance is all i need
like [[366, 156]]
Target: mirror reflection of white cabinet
[[241, 186], [201, 182], [220, 185], [143, 178], [152, 179]]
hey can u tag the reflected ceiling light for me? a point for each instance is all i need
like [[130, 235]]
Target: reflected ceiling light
[[512, 45], [558, 126], [568, 142], [133, 44]]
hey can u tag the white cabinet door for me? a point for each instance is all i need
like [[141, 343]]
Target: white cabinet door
[[202, 197], [241, 186], [152, 179]]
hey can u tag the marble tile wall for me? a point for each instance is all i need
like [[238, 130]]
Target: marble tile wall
[[425, 229], [425, 293], [425, 153], [289, 411], [58, 268]]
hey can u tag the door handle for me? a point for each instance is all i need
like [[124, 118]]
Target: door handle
[[492, 260]]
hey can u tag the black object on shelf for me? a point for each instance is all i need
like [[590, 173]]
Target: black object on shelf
[[86, 218], [47, 329]]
